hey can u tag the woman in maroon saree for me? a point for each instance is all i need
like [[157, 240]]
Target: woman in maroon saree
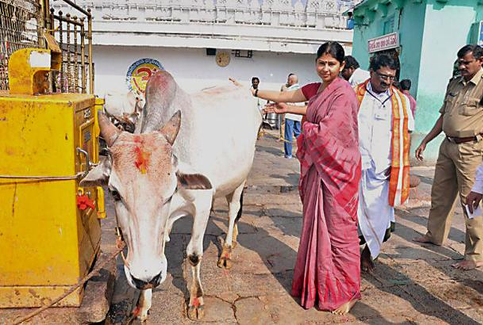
[[327, 271]]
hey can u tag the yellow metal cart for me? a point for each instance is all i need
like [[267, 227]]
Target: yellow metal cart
[[49, 227]]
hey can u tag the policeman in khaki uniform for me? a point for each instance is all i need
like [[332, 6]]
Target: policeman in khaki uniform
[[460, 155]]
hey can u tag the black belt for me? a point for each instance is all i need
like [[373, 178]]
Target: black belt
[[461, 140]]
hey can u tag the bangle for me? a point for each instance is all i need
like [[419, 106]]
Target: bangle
[[256, 93]]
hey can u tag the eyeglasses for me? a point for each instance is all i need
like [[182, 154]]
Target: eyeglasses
[[386, 77]]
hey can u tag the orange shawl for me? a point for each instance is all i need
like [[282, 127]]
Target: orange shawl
[[399, 179]]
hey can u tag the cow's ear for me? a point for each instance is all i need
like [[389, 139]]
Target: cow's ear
[[170, 130], [97, 176], [193, 181]]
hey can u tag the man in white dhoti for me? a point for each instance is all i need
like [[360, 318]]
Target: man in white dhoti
[[385, 121]]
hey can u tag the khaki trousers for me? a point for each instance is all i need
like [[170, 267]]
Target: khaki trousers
[[455, 172]]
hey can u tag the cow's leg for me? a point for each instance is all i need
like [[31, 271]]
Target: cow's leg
[[235, 202], [144, 304], [196, 304], [169, 226], [195, 253]]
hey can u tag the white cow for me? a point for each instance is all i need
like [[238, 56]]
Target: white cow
[[188, 150], [124, 108], [118, 104]]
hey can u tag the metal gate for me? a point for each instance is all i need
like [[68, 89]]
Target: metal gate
[[20, 29], [26, 23]]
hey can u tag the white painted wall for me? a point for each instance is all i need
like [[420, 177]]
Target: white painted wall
[[194, 70]]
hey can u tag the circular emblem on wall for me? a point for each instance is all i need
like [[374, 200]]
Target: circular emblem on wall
[[139, 73], [222, 59]]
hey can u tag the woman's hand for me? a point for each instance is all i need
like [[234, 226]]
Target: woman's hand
[[279, 108]]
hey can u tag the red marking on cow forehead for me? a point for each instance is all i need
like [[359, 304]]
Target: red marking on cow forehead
[[142, 159], [138, 139], [148, 154]]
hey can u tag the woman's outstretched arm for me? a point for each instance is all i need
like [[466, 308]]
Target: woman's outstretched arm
[[294, 96]]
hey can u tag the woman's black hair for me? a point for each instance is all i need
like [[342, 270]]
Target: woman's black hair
[[332, 48]]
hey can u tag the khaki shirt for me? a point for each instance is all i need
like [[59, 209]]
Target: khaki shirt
[[462, 112]]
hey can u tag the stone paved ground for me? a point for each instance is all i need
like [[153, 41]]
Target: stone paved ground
[[412, 284]]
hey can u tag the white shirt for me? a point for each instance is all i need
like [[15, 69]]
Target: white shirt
[[375, 129], [358, 77], [478, 186], [290, 116]]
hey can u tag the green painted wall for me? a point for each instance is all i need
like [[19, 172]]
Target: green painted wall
[[365, 29], [411, 29], [479, 13], [430, 33], [446, 29], [408, 21]]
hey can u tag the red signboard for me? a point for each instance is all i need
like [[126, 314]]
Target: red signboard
[[385, 42]]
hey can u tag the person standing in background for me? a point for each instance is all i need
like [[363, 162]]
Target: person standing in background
[[292, 121], [405, 86], [255, 83], [350, 21], [353, 73], [461, 120]]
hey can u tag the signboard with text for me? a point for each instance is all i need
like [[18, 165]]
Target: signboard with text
[[385, 42]]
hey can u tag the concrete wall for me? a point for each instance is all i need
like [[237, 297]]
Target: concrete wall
[[194, 70]]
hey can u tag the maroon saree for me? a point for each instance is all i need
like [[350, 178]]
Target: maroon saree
[[327, 271]]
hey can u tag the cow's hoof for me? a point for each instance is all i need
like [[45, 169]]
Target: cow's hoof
[[225, 263], [196, 313], [225, 258], [195, 309], [140, 314], [234, 244], [143, 317]]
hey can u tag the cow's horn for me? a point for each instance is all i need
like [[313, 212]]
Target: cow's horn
[[170, 130], [108, 131]]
